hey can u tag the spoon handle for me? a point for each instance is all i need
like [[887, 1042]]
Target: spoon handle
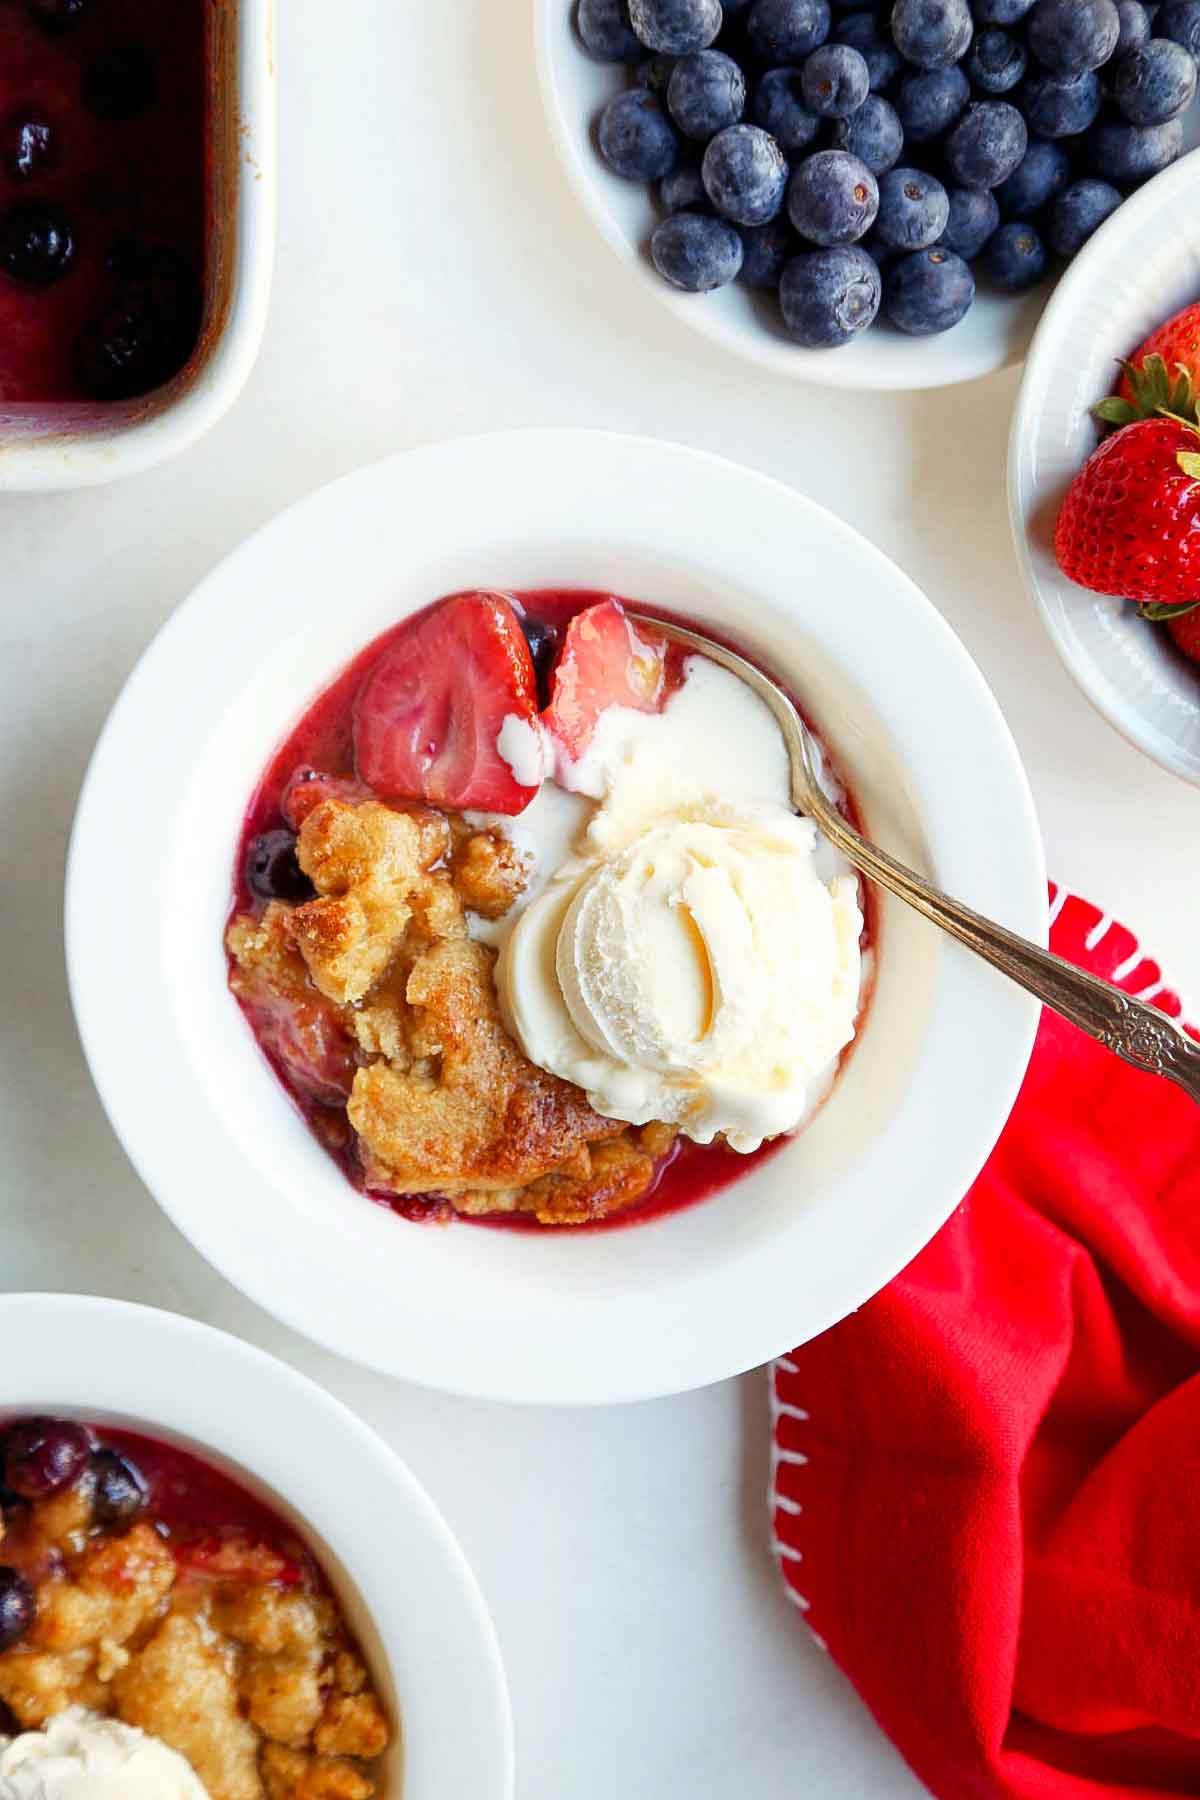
[[1139, 1034]]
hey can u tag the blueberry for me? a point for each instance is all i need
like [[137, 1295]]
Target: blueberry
[[1179, 20], [833, 198], [1043, 172], [1079, 211], [606, 32], [1129, 154], [1016, 258], [914, 210], [57, 15], [932, 33], [273, 870], [930, 101], [1000, 12], [829, 296], [42, 1456], [18, 1608], [875, 134], [683, 189], [121, 1494], [986, 145], [676, 25], [28, 145], [1055, 108], [745, 174], [635, 136], [835, 81], [786, 31], [543, 640], [707, 92], [974, 216], [148, 327], [655, 73], [696, 252], [768, 249], [1155, 83], [119, 83], [37, 243], [862, 31], [1070, 37], [1135, 26], [778, 106], [928, 292], [996, 62]]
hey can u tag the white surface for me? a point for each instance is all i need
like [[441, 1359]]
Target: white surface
[[1142, 266], [701, 1294], [398, 1574], [624, 1552]]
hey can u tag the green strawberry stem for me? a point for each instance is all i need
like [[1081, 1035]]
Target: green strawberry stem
[[1157, 611]]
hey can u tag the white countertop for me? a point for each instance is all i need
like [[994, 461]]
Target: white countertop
[[436, 278]]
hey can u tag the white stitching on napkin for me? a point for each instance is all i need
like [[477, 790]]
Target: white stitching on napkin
[[796, 1459]]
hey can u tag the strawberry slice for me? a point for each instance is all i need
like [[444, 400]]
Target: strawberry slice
[[428, 718], [604, 661]]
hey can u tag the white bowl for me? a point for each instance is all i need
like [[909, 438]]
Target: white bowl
[[52, 447], [575, 88], [401, 1579], [1141, 266], [557, 1316]]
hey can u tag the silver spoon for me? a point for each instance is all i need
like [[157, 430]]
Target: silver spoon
[[1139, 1034]]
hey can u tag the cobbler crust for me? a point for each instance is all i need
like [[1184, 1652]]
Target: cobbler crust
[[374, 994]]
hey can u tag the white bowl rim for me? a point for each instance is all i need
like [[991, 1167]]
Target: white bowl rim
[[165, 1372]]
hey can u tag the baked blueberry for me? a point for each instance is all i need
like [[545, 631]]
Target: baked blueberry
[[58, 15], [1155, 83], [1078, 212], [707, 92], [835, 81], [1070, 37], [696, 252], [874, 134], [933, 34], [1057, 108], [1043, 172], [676, 25], [606, 32], [914, 210], [18, 1608], [986, 145], [745, 174], [928, 292], [636, 138], [833, 198], [120, 1495], [786, 31], [28, 145], [148, 327], [928, 102], [119, 83], [780, 108], [273, 870], [828, 297], [974, 216], [1016, 258], [544, 640], [42, 1456], [37, 243]]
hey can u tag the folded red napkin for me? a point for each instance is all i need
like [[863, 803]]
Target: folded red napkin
[[987, 1481]]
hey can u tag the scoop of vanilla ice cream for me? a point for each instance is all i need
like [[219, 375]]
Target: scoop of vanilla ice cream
[[80, 1755]]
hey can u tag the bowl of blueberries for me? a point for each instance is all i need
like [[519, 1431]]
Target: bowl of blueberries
[[899, 184]]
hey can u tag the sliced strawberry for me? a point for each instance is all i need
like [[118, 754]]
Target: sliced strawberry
[[429, 716], [236, 1558], [307, 788], [604, 661], [306, 1037]]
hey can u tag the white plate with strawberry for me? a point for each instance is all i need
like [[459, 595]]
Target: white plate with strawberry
[[1105, 513]]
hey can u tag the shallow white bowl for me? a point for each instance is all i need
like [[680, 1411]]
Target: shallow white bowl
[[398, 1573], [556, 1316], [1142, 266], [994, 333]]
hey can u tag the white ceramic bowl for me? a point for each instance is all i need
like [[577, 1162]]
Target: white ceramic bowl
[[398, 1573], [1142, 266], [83, 445], [558, 1316], [575, 89]]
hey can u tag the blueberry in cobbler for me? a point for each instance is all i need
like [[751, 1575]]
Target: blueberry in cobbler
[[28, 146], [272, 871], [58, 15], [148, 328], [119, 82], [37, 243]]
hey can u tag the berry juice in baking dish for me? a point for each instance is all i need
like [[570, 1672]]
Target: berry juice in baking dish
[[455, 816]]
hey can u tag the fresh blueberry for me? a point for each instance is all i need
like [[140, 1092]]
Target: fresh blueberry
[[835, 81], [996, 62], [1000, 12], [1155, 83], [37, 243], [18, 1608], [121, 1494], [986, 145], [273, 870], [543, 640], [928, 292], [655, 73], [119, 83], [833, 198], [42, 1456], [778, 106], [768, 248], [1055, 108], [828, 297], [696, 252], [1129, 154], [1016, 258], [148, 327], [932, 33], [745, 174], [635, 136], [683, 189], [28, 145], [863, 32], [929, 102], [606, 32], [1179, 20], [58, 15], [786, 31], [707, 92], [914, 209], [1135, 26], [875, 134], [1079, 211], [974, 216], [1071, 36], [676, 25], [1043, 172]]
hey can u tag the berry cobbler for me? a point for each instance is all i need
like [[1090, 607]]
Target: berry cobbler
[[527, 926], [163, 1633]]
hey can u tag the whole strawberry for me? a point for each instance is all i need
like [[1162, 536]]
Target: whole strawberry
[[1130, 524], [1163, 375], [1183, 625]]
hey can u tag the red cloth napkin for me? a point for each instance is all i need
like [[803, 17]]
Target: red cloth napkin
[[987, 1481]]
